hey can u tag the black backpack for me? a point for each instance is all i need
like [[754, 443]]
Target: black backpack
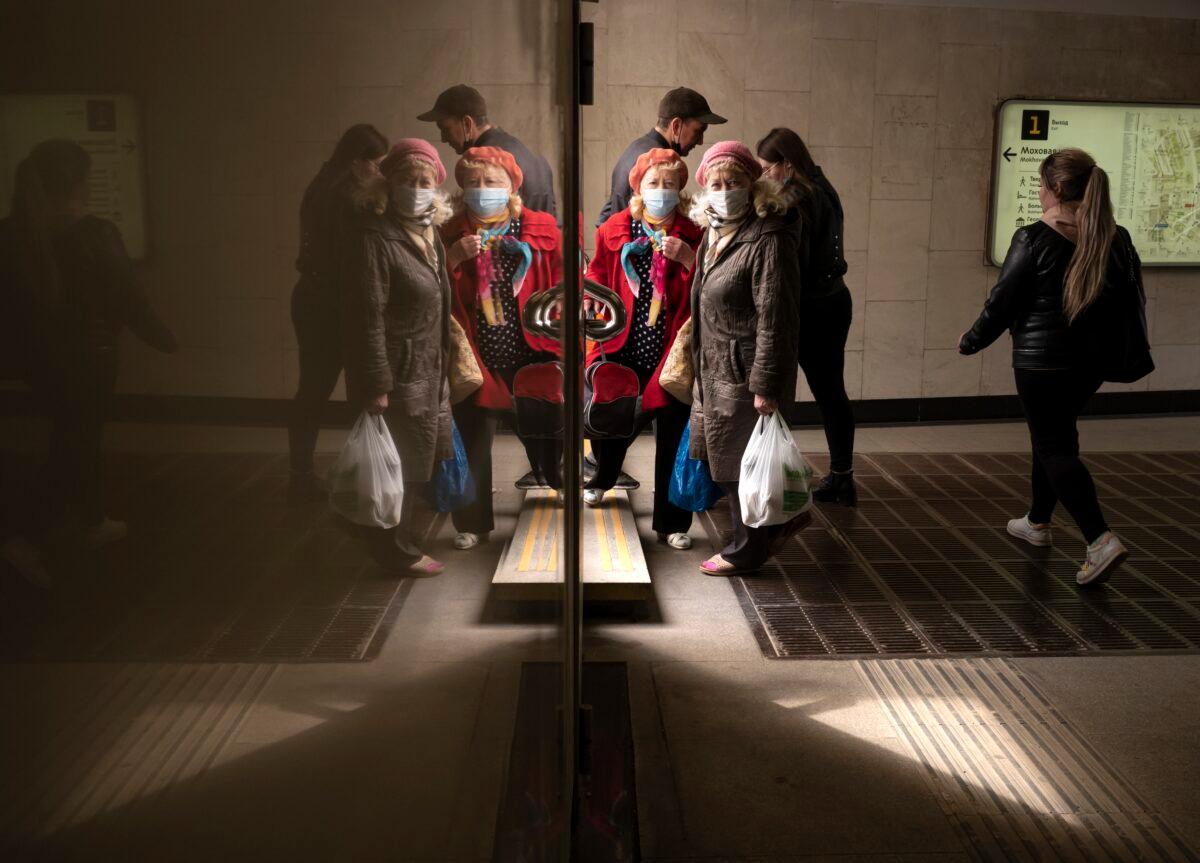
[[538, 400], [611, 400]]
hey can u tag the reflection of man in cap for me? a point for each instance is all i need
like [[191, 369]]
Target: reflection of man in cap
[[683, 115], [461, 116]]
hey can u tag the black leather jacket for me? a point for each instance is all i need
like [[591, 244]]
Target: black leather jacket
[[1027, 301], [821, 239]]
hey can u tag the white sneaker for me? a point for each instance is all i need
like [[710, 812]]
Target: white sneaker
[[593, 496], [1023, 528], [680, 541], [107, 531], [466, 540], [1103, 556]]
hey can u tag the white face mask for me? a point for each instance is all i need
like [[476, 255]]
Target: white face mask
[[411, 201], [729, 204]]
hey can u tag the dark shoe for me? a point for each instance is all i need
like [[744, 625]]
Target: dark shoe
[[530, 480], [836, 488], [624, 480], [790, 529]]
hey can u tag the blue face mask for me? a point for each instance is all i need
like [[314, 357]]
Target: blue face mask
[[660, 203], [485, 203]]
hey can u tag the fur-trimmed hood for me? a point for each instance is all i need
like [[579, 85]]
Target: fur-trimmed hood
[[370, 192], [766, 196]]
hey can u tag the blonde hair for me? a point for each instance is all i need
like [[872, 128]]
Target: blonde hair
[[514, 199], [373, 190], [685, 200], [767, 196], [1075, 178]]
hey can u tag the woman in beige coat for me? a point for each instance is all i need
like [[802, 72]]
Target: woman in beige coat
[[745, 320], [396, 320]]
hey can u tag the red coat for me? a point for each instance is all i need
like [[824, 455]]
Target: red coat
[[606, 269], [545, 271]]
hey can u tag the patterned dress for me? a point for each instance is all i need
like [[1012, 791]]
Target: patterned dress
[[503, 348], [643, 349]]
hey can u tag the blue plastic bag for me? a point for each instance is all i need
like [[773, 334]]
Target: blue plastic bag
[[692, 486], [451, 486]]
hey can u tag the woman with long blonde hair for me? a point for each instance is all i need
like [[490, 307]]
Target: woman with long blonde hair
[[1069, 290]]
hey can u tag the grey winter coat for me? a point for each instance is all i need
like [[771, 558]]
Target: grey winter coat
[[745, 323], [396, 327]]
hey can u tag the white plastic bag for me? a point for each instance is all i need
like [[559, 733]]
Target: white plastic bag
[[773, 486], [365, 482]]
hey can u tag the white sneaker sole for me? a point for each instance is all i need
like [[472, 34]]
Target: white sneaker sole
[[1039, 543], [1102, 574]]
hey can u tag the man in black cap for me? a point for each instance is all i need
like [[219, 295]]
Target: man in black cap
[[461, 116], [683, 116]]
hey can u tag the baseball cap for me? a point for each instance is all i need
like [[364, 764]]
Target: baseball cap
[[459, 101], [688, 104]]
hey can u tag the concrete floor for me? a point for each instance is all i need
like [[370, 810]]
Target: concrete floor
[[739, 757]]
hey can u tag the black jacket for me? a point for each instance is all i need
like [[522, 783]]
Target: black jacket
[[325, 215], [620, 193], [1027, 301], [821, 239], [537, 190]]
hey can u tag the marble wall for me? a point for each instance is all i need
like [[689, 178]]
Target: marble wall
[[243, 100], [895, 102]]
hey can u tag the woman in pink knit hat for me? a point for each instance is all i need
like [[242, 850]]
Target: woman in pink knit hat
[[396, 325], [744, 324]]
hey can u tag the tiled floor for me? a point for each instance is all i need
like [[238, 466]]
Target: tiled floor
[[739, 757]]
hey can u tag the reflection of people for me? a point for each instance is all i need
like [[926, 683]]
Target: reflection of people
[[73, 290], [825, 304], [1052, 296], [500, 253], [461, 115], [744, 310], [683, 117], [396, 301], [324, 213], [651, 245]]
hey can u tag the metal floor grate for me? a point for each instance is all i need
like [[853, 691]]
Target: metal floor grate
[[217, 568], [924, 566]]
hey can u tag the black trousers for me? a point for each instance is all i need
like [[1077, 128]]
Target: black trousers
[[319, 339], [749, 547], [669, 423], [76, 398], [824, 326], [477, 428], [1053, 401]]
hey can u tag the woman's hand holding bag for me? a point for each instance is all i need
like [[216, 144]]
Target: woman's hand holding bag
[[366, 485], [773, 486]]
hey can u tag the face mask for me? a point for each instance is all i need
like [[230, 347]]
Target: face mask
[[485, 203], [660, 203], [410, 201], [730, 203]]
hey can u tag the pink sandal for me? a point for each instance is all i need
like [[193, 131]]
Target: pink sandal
[[427, 566], [717, 565]]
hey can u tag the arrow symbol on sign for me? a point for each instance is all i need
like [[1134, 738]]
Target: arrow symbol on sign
[[1008, 154], [128, 146]]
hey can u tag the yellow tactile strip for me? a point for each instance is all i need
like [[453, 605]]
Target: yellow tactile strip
[[1017, 780]]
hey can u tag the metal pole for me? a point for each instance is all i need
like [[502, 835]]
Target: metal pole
[[569, 17]]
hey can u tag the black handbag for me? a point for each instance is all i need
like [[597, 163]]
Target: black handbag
[[1114, 332]]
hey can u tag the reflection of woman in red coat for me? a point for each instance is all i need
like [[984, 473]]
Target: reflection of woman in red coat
[[645, 253], [499, 255]]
